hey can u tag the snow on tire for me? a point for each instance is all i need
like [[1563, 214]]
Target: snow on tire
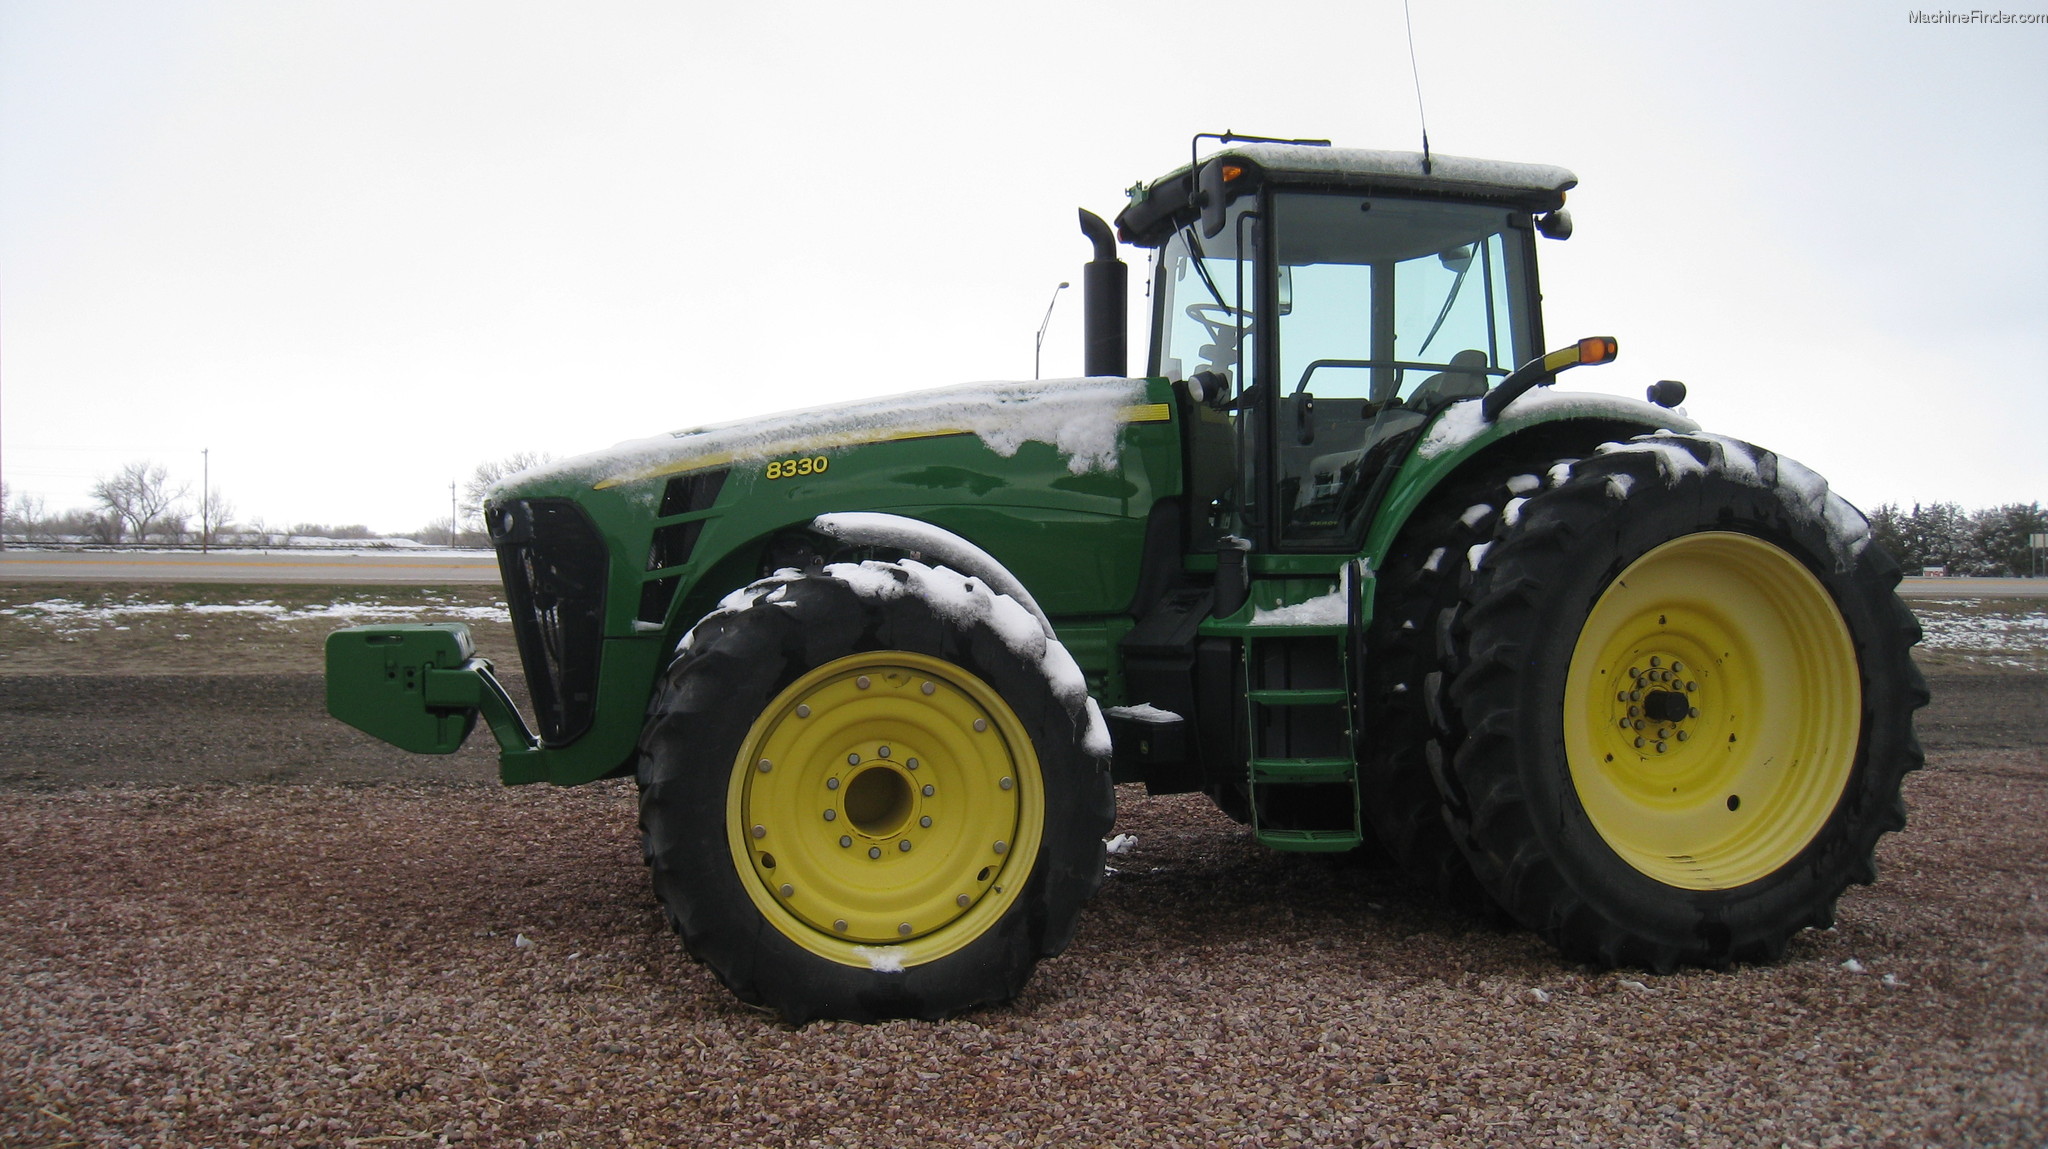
[[1686, 696], [873, 790]]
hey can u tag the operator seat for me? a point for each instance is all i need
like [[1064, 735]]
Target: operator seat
[[1462, 378]]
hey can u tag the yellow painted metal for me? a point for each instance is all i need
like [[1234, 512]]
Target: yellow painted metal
[[1711, 711], [885, 810]]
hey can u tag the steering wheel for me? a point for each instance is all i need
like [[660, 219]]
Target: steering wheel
[[1217, 319]]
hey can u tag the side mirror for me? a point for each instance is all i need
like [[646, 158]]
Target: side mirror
[[1555, 224], [1212, 189]]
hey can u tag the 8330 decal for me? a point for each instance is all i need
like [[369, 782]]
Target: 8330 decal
[[796, 468]]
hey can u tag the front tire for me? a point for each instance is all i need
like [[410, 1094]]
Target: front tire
[[1687, 700], [870, 791]]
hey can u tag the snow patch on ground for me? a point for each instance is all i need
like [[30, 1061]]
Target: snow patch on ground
[[1120, 844], [65, 612], [2015, 639]]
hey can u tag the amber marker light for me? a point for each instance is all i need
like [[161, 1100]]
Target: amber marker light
[[1598, 349]]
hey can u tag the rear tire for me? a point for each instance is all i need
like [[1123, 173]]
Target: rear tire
[[1687, 696], [868, 791], [1420, 580]]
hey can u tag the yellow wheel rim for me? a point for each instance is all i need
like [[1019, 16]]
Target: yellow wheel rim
[[885, 810], [1711, 711]]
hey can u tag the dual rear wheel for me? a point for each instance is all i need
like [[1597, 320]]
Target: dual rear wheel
[[1669, 702]]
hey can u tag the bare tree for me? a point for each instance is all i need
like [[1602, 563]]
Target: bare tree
[[488, 473], [137, 497], [216, 515]]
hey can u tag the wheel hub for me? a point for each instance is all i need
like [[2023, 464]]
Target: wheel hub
[[1711, 710], [884, 798]]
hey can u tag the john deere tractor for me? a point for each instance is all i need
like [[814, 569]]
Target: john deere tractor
[[1336, 560]]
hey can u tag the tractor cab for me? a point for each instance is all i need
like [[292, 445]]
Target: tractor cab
[[1317, 306]]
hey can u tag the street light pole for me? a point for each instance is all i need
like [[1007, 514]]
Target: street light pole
[[1039, 349], [205, 498], [451, 514]]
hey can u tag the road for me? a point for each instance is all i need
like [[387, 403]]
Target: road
[[329, 567], [438, 567]]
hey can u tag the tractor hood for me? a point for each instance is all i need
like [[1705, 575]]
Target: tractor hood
[[1079, 417]]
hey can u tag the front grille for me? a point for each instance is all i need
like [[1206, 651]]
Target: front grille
[[554, 565]]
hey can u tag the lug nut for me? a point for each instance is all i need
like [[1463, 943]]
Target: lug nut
[[802, 710], [981, 725], [844, 841], [874, 851], [1692, 712], [1639, 742], [927, 688], [883, 752], [1660, 748], [862, 682], [911, 764], [760, 831], [787, 889], [1682, 736], [1002, 847], [903, 846], [831, 783], [840, 925], [925, 821], [963, 901], [904, 929], [831, 815], [929, 791], [765, 766]]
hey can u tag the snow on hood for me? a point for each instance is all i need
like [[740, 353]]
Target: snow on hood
[[1079, 417], [1462, 422]]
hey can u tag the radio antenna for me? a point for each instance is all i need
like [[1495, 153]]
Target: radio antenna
[[1416, 72]]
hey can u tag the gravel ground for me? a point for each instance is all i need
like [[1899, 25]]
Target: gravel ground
[[229, 921]]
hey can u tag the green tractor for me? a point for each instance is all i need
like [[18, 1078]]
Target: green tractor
[[1334, 561]]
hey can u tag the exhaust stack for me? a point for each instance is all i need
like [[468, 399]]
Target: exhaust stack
[[1103, 284]]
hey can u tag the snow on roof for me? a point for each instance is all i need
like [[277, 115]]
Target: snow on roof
[[1446, 171], [1079, 417]]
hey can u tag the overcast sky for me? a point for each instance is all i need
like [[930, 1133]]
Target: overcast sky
[[355, 248]]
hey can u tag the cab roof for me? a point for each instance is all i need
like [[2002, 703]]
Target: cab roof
[[1165, 204]]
